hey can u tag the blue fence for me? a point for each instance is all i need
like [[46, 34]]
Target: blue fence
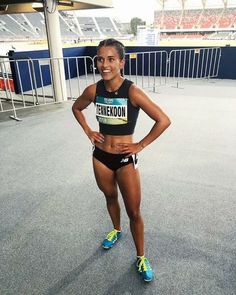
[[31, 69]]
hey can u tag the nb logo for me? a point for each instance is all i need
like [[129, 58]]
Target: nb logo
[[124, 160]]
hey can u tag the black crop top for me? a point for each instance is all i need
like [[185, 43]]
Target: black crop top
[[114, 111]]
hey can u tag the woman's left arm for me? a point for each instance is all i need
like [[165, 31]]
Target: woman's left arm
[[140, 99]]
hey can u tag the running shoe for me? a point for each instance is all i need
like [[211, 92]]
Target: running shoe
[[111, 239], [144, 269]]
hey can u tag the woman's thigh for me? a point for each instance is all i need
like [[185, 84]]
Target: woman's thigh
[[128, 180], [105, 178]]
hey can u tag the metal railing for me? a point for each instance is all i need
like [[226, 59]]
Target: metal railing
[[33, 82], [147, 69], [27, 82], [188, 64]]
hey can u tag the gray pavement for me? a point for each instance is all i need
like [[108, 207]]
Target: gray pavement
[[53, 218]]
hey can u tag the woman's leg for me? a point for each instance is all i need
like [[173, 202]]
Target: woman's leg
[[129, 183], [107, 184]]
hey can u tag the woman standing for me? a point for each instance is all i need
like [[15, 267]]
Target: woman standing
[[115, 155]]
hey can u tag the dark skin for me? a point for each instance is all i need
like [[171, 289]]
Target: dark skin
[[126, 178]]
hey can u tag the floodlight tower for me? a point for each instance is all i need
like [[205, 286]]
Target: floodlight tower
[[183, 8], [162, 2], [183, 4], [204, 4], [225, 2]]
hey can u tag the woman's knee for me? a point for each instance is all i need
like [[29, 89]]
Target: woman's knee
[[111, 198], [134, 215], [108, 190], [111, 194]]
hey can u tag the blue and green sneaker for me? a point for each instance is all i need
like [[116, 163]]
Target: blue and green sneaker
[[144, 269], [111, 238]]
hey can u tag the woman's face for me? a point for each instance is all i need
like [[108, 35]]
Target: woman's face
[[109, 62]]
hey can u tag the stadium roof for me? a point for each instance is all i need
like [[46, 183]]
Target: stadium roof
[[23, 6]]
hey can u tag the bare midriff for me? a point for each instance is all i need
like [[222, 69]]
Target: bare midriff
[[110, 143]]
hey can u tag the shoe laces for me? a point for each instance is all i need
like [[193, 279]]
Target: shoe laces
[[111, 235], [143, 264]]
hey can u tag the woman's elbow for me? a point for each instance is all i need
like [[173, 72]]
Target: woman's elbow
[[74, 108], [166, 122]]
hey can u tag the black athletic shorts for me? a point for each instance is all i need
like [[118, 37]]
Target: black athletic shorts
[[114, 161]]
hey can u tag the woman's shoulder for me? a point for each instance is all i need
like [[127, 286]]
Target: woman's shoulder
[[90, 91], [91, 88], [100, 86], [137, 94], [128, 82], [134, 88]]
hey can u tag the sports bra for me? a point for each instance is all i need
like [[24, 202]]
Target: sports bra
[[114, 111]]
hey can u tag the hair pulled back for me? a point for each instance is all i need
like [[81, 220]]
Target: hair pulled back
[[113, 43]]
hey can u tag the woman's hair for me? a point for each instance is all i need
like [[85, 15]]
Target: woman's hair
[[113, 43]]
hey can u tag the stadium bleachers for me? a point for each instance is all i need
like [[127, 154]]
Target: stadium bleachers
[[68, 29], [32, 26], [36, 20], [88, 27], [228, 19], [106, 26], [5, 33], [11, 28], [221, 36], [209, 18], [77, 28], [196, 18], [189, 18]]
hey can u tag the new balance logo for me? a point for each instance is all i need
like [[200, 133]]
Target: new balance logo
[[124, 160]]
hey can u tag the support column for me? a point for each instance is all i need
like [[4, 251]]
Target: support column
[[55, 49]]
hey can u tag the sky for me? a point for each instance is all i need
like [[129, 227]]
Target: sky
[[125, 10]]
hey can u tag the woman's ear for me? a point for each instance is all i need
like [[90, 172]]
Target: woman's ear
[[122, 63]]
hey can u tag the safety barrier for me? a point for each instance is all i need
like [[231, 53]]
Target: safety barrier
[[29, 82], [147, 69], [187, 64], [32, 81]]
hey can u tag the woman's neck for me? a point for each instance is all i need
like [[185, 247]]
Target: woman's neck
[[113, 85]]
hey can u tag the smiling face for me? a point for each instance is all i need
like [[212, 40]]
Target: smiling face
[[109, 62]]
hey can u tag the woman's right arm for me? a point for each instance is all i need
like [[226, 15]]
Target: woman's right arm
[[84, 100]]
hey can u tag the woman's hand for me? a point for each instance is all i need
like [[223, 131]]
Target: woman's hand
[[95, 136], [129, 148]]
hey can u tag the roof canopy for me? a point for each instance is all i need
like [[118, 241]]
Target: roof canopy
[[24, 6]]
